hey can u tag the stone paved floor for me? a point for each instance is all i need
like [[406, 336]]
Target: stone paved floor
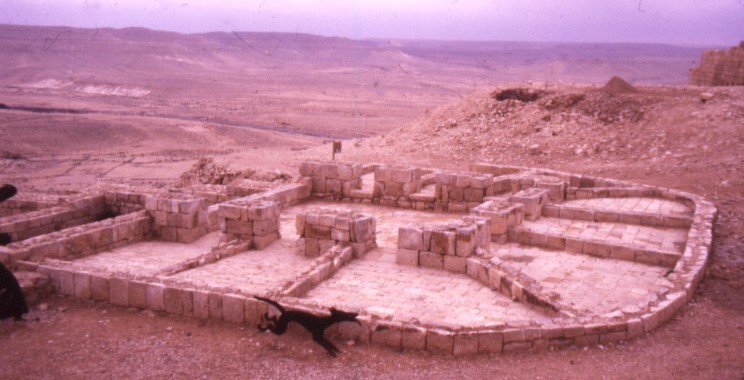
[[379, 286], [634, 204], [251, 272], [656, 238], [587, 283], [148, 257]]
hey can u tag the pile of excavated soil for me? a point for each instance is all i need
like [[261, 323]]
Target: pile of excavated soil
[[208, 172], [617, 85]]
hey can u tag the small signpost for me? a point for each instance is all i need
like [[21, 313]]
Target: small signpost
[[336, 149]]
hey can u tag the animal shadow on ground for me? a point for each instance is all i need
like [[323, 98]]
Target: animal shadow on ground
[[313, 323]]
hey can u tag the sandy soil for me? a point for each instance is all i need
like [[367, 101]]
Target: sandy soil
[[659, 135]]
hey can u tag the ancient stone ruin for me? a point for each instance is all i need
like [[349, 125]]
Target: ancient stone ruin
[[492, 259], [720, 68]]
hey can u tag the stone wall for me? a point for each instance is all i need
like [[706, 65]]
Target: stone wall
[[445, 246], [178, 218], [323, 228], [720, 68], [69, 214], [81, 240], [332, 180], [394, 184], [256, 222]]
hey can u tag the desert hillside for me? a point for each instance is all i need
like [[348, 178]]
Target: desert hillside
[[323, 86]]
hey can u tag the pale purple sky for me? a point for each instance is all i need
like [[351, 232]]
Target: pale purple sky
[[681, 22]]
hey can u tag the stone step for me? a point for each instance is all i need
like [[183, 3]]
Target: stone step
[[594, 247], [637, 218]]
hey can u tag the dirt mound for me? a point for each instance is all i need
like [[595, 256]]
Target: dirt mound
[[617, 85], [207, 172]]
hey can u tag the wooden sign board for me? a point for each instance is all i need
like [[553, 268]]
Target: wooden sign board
[[336, 149]]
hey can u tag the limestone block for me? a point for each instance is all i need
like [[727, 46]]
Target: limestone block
[[188, 235], [455, 263], [386, 334], [214, 305], [265, 210], [191, 206], [309, 168], [443, 242], [319, 185], [407, 257], [315, 231], [411, 237], [473, 195], [456, 194], [490, 341], [265, 227], [333, 186], [300, 224], [329, 170], [168, 234], [312, 247], [99, 288], [431, 260], [533, 199], [261, 242], [173, 300], [327, 220], [465, 343], [119, 291], [66, 282], [233, 308], [345, 172], [340, 235], [440, 341], [151, 202], [413, 338], [138, 294], [465, 241], [362, 228], [325, 245], [155, 297], [200, 300], [82, 285], [401, 175], [238, 227]]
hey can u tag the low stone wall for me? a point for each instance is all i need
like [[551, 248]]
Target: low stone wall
[[639, 218], [502, 215], [332, 180], [394, 184], [533, 200], [22, 203], [256, 222], [322, 228], [81, 240], [120, 202], [460, 192], [73, 213], [320, 270], [443, 246], [182, 219], [285, 195]]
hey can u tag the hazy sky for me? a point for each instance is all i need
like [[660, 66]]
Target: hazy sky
[[687, 22]]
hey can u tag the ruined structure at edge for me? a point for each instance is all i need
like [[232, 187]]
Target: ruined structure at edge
[[492, 259], [720, 68]]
